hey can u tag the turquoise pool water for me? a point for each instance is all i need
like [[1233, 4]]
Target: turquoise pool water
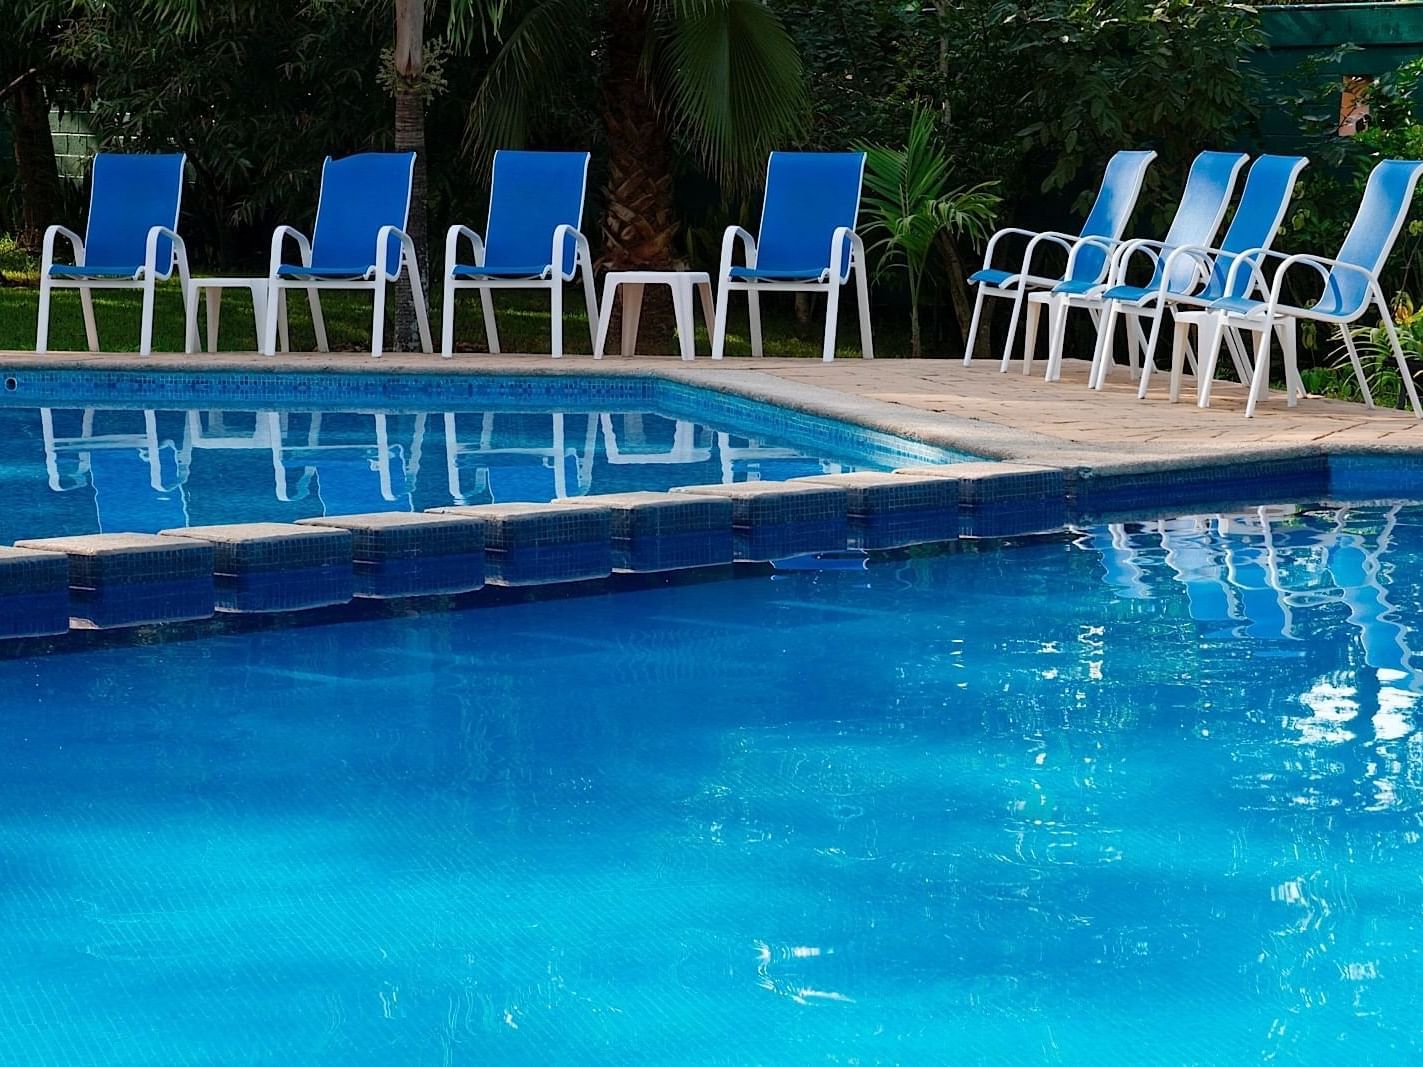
[[140, 453], [1150, 793]]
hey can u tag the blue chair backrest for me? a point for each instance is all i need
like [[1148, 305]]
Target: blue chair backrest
[[1209, 186], [533, 193], [808, 196], [359, 195], [1121, 185], [1387, 197], [131, 195], [1262, 207]]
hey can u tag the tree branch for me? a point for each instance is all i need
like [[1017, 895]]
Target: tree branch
[[10, 89]]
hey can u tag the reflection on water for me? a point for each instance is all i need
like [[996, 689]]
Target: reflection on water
[[151, 470], [1150, 793]]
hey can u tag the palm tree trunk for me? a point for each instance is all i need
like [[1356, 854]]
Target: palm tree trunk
[[410, 137], [639, 224], [40, 192], [962, 298]]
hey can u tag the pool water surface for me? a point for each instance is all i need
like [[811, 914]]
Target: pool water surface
[[1150, 792]]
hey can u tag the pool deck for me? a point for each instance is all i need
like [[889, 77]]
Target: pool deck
[[974, 409]]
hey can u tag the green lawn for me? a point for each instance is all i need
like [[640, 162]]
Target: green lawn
[[523, 323]]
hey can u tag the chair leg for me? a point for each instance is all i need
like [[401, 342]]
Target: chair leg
[[1148, 358], [1030, 336], [1180, 342], [555, 297], [1213, 331], [1260, 378], [268, 345], [214, 309], [91, 325], [682, 311], [1018, 297], [632, 316], [590, 300], [832, 313], [862, 298], [973, 325], [491, 326], [718, 338], [753, 299], [605, 317], [704, 289], [1106, 334], [190, 325], [377, 318], [1398, 356], [283, 321], [1359, 375], [447, 320], [145, 328], [259, 313], [318, 321], [422, 313], [1057, 336], [1294, 385], [42, 325]]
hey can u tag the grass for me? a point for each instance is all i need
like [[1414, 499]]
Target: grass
[[523, 323]]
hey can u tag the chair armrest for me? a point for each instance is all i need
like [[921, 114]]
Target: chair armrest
[[279, 236], [1322, 265], [1121, 257], [561, 233], [179, 254], [452, 242], [47, 256], [1007, 231], [383, 237], [729, 239], [1065, 241], [840, 270], [1109, 245]]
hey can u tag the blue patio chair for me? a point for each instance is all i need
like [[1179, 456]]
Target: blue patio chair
[[1194, 276], [131, 241], [1350, 287], [807, 242], [1116, 199], [533, 240], [359, 242], [1210, 184]]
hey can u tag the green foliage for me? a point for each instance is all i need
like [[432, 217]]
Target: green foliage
[[725, 72], [913, 209]]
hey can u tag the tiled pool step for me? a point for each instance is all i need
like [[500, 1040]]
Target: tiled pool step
[[34, 593], [404, 554], [276, 566], [122, 579], [536, 544], [776, 520], [130, 579], [652, 532]]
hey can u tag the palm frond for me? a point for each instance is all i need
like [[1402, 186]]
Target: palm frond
[[516, 92], [729, 80]]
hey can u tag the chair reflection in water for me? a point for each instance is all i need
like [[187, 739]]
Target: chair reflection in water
[[751, 462], [635, 449], [137, 476], [351, 477], [516, 473]]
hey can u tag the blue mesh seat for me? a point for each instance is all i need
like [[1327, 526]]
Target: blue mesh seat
[[131, 241], [1192, 274], [358, 242], [1210, 184], [1116, 199], [532, 240], [1348, 288], [807, 241]]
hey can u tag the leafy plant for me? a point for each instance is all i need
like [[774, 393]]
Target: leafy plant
[[1376, 356], [911, 205]]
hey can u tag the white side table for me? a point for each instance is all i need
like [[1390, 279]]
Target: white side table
[[214, 288], [632, 283]]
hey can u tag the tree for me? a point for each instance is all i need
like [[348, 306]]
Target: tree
[[718, 79], [26, 64]]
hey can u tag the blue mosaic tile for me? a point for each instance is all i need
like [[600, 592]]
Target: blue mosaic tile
[[300, 589], [402, 535], [548, 563], [1014, 518], [665, 531], [902, 529], [896, 510], [1260, 481], [673, 551], [120, 559], [441, 575], [781, 540], [26, 571], [128, 604], [773, 520], [34, 614], [1375, 476], [259, 547]]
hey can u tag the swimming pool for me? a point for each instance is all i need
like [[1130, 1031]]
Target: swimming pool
[[84, 453], [1149, 791]]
